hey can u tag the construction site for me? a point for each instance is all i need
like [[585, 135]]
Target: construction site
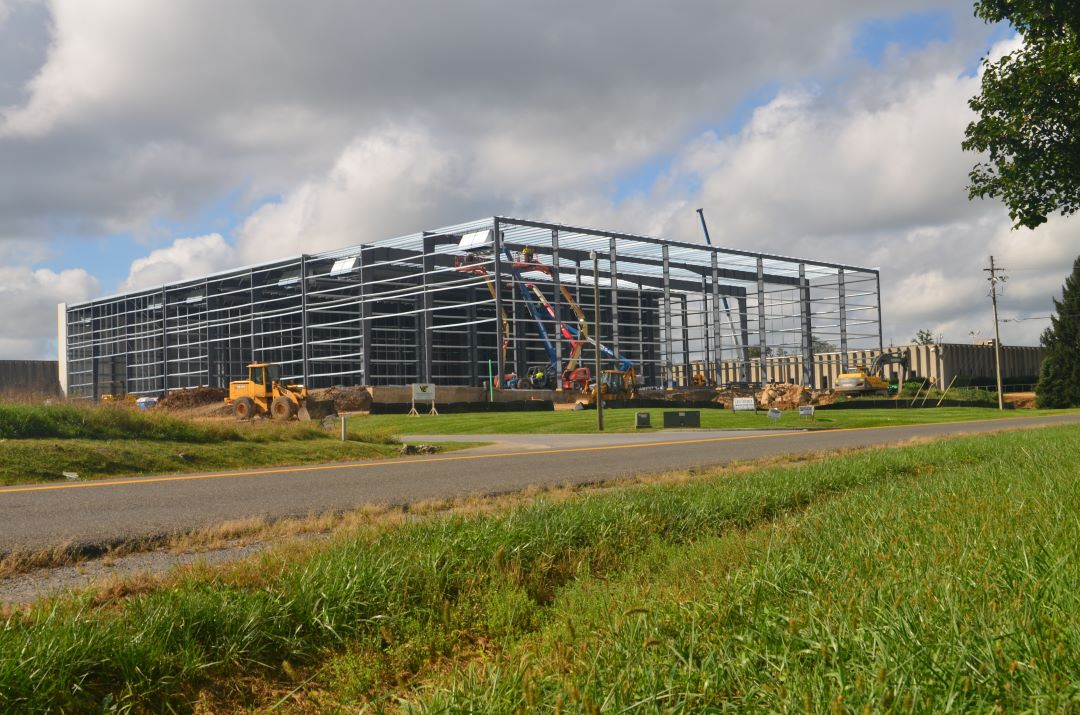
[[501, 304]]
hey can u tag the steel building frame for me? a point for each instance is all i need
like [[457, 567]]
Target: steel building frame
[[426, 308]]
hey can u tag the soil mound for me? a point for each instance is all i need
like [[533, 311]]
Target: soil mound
[[345, 399], [786, 396], [194, 397], [1022, 400]]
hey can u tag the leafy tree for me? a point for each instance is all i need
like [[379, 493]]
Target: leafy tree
[[1029, 113], [1059, 376], [822, 346], [924, 337]]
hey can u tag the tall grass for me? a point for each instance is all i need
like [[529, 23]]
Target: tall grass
[[74, 421], [412, 594], [951, 590]]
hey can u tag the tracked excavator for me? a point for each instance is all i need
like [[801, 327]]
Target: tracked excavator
[[871, 380]]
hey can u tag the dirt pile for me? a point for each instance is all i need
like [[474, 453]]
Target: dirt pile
[[724, 398], [1022, 400], [784, 396], [194, 397], [344, 399]]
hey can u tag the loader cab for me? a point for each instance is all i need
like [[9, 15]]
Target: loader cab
[[264, 375]]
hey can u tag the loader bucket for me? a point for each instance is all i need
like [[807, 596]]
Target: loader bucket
[[315, 409]]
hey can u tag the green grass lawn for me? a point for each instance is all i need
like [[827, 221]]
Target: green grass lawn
[[38, 443], [42, 460], [929, 578], [622, 420]]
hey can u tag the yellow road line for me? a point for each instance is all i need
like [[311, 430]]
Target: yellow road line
[[467, 457]]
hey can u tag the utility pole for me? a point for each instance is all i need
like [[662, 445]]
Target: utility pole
[[994, 280], [596, 339]]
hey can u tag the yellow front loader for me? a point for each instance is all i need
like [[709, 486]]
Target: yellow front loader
[[613, 385], [262, 393]]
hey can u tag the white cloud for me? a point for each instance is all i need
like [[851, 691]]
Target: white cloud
[[144, 113], [870, 174], [385, 183], [150, 111], [185, 258], [30, 297]]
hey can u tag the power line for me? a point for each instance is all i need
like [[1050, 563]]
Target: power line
[[1040, 317]]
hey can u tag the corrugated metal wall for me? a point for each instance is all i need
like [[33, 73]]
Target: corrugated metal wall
[[29, 377], [938, 363]]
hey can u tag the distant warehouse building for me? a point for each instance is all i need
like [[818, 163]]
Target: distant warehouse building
[[485, 300], [959, 364]]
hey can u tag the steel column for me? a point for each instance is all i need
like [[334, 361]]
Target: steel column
[[669, 377], [718, 350], [744, 331], [304, 356], [877, 298], [426, 323], [164, 343], [496, 238], [685, 320], [557, 307], [763, 364], [475, 370], [365, 325], [843, 319], [807, 328], [706, 336], [613, 270]]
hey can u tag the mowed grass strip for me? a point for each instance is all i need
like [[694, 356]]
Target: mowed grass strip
[[34, 461], [622, 420], [372, 613], [38, 443]]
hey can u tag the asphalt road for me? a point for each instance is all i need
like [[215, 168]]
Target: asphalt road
[[105, 512]]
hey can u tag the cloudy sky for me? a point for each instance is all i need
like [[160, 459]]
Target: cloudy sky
[[145, 141]]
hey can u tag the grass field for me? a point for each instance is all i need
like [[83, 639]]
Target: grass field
[[622, 420], [41, 460], [928, 578], [38, 443]]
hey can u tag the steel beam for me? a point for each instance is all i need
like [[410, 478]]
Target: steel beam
[[509, 221]]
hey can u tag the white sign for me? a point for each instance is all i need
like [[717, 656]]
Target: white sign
[[423, 392], [743, 404], [774, 414], [806, 410]]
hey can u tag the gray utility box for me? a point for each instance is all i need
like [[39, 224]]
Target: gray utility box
[[683, 418], [644, 419]]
